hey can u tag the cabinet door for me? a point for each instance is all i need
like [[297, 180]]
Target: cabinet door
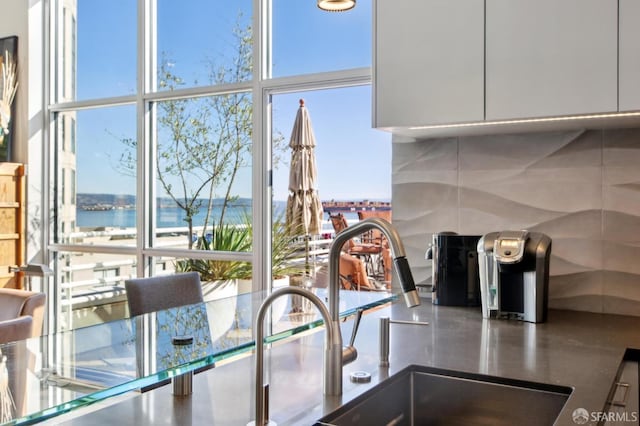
[[629, 55], [12, 229], [550, 57], [428, 62]]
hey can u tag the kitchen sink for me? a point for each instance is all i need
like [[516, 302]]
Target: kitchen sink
[[419, 395]]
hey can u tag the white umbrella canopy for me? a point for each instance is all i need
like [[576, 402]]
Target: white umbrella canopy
[[304, 209]]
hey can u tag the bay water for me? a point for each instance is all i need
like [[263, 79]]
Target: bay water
[[171, 217]]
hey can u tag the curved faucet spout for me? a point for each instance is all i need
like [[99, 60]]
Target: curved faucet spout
[[332, 351], [397, 250]]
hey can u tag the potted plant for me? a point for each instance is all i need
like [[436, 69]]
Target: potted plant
[[238, 238], [220, 276]]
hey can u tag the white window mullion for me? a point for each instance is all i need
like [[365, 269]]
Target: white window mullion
[[266, 44], [260, 140], [146, 74]]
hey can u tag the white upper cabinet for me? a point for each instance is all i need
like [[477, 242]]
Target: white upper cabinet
[[629, 55], [551, 57], [428, 62]]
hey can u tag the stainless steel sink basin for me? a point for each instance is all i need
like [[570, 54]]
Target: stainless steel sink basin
[[421, 395]]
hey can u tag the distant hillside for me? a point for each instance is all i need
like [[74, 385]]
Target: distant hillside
[[91, 201], [115, 200]]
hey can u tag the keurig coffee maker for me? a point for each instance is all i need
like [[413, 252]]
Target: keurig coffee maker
[[514, 275], [454, 273]]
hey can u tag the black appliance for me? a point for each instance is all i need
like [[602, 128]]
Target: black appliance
[[455, 275], [514, 275]]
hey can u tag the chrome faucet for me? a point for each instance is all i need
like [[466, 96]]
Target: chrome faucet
[[402, 269], [332, 357], [334, 354], [397, 250]]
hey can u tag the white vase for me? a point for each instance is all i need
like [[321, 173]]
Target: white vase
[[219, 289], [222, 313], [279, 305]]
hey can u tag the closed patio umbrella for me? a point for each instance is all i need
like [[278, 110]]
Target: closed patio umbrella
[[304, 209]]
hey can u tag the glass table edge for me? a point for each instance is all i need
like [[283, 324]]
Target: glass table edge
[[137, 383]]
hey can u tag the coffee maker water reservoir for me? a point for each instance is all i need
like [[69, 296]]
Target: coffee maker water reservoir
[[514, 275], [454, 269]]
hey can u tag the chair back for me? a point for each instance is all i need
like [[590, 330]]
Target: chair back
[[383, 214], [16, 303], [151, 294], [16, 329], [375, 236], [353, 274], [339, 223]]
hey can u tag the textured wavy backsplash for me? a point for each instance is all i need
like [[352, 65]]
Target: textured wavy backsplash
[[582, 188]]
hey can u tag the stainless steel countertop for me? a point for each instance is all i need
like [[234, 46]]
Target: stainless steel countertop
[[577, 349]]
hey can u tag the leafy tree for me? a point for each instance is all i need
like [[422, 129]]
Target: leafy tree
[[204, 142]]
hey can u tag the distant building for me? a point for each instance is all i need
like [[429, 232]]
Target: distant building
[[353, 206]]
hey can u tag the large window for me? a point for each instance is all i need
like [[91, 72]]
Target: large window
[[165, 139], [98, 173], [203, 163], [350, 155], [204, 42], [97, 49], [307, 41]]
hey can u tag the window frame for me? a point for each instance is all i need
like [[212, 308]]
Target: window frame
[[262, 87]]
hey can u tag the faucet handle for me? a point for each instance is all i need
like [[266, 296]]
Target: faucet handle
[[356, 325], [265, 405], [350, 353]]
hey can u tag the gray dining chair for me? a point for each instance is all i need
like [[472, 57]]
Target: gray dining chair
[[151, 294]]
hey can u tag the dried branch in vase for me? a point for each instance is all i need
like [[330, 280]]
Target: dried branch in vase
[[9, 88]]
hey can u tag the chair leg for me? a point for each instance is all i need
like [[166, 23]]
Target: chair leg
[[380, 265], [368, 261], [373, 264]]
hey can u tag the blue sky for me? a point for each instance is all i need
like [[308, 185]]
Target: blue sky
[[353, 160]]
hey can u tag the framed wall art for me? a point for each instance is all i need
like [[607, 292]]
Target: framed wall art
[[8, 89]]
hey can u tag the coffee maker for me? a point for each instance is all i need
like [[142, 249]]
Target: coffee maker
[[455, 280], [514, 275]]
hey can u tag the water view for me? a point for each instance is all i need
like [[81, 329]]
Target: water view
[[170, 217], [167, 217]]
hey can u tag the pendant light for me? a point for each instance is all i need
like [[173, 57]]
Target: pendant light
[[336, 5]]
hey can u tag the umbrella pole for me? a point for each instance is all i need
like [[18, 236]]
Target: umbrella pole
[[306, 255]]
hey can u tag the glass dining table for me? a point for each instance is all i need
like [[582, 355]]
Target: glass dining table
[[43, 377]]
